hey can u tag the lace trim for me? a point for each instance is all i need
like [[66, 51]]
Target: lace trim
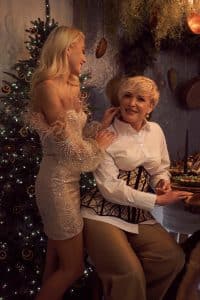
[[90, 130], [66, 140], [36, 121]]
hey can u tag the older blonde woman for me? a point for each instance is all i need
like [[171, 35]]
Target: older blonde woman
[[57, 113], [136, 259]]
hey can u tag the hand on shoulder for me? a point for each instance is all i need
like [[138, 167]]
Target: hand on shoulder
[[109, 115]]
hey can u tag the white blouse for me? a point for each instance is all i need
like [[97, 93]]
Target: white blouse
[[131, 149]]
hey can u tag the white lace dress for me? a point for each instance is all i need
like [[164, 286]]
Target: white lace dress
[[66, 153]]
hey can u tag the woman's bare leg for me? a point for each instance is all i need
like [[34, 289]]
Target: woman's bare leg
[[70, 257], [51, 261]]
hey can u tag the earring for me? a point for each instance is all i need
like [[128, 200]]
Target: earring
[[147, 116]]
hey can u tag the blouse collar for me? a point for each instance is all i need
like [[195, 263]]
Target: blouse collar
[[126, 128]]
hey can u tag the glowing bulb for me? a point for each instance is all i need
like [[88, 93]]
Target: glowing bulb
[[193, 21]]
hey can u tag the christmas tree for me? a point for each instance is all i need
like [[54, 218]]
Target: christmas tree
[[22, 241]]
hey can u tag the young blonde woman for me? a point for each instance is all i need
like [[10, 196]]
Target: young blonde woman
[[135, 257], [57, 113]]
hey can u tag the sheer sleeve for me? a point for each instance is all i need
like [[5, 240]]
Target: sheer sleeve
[[91, 128], [67, 140]]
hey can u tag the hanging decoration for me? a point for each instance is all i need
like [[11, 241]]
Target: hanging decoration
[[193, 21], [172, 77], [149, 26], [101, 47], [102, 44]]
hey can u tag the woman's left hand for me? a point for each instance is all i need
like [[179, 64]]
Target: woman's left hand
[[163, 186], [108, 117]]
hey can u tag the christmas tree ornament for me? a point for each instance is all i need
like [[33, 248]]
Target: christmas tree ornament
[[27, 254], [31, 190], [6, 89], [23, 131], [11, 158], [18, 209], [33, 30], [3, 254], [28, 77], [21, 74], [20, 267]]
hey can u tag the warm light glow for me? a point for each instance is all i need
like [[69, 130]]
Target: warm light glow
[[193, 21]]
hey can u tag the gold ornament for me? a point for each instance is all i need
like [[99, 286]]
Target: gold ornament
[[6, 89], [3, 254], [17, 209], [11, 158], [23, 131], [84, 95], [27, 254], [101, 48], [31, 190]]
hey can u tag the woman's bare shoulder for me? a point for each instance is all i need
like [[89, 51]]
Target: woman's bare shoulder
[[47, 100], [45, 87]]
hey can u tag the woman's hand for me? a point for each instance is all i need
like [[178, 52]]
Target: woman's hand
[[105, 138], [172, 197], [108, 117], [162, 187]]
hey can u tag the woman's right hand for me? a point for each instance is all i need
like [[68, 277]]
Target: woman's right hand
[[105, 138], [108, 117], [172, 197]]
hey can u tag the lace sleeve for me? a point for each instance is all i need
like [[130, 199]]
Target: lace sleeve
[[70, 143], [83, 154], [91, 128], [67, 140]]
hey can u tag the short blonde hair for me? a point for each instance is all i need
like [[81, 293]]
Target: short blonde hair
[[52, 62], [118, 86], [141, 85]]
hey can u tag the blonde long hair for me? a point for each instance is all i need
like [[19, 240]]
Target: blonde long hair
[[53, 62]]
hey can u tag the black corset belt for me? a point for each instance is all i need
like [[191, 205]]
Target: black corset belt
[[138, 179]]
